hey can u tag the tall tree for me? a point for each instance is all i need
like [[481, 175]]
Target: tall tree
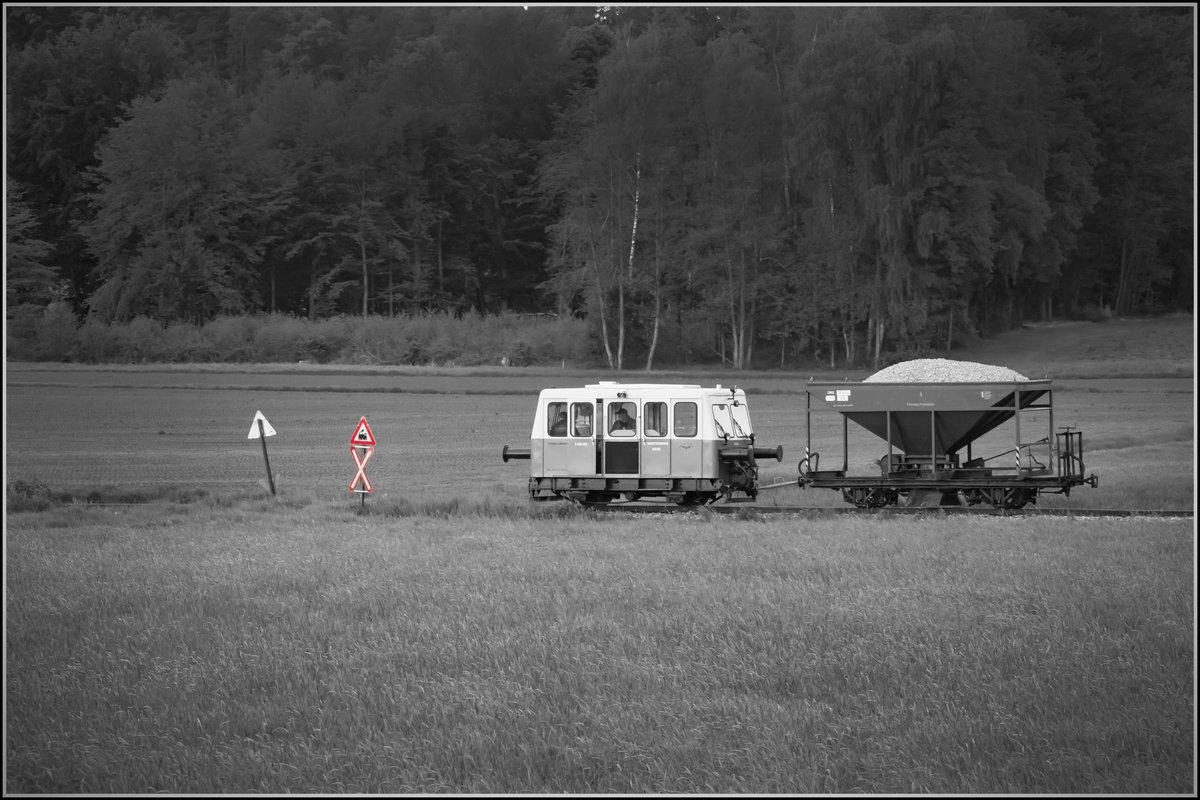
[[742, 157], [66, 87], [170, 233], [1147, 121], [943, 142], [516, 73], [617, 174], [27, 276]]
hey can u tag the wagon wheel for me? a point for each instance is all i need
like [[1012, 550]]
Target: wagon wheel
[[694, 499], [975, 496], [594, 499], [1012, 498], [866, 498]]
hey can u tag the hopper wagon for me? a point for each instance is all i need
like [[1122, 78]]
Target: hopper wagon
[[686, 444], [928, 436]]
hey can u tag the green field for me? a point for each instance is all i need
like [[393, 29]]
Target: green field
[[172, 627]]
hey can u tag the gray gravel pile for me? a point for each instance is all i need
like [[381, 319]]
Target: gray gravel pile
[[943, 370]]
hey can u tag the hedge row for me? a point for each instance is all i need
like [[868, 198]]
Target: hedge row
[[54, 334]]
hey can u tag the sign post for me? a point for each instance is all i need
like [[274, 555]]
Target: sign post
[[362, 447], [261, 429]]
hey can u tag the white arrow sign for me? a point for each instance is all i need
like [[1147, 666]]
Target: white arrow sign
[[267, 430]]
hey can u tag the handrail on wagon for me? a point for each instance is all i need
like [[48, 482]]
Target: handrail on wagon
[[1027, 461]]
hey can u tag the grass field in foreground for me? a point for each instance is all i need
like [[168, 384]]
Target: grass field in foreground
[[238, 644]]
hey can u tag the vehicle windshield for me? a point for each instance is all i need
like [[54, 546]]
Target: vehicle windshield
[[722, 419], [741, 420]]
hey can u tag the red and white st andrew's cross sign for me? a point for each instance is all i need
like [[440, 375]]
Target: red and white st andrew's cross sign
[[362, 442]]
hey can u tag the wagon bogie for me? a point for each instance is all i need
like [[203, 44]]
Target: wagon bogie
[[609, 442]]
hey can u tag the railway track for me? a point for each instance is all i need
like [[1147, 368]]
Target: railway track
[[634, 507]]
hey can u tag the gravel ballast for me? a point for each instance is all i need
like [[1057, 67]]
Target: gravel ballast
[[943, 370]]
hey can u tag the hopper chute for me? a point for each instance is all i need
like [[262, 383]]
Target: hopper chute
[[932, 419]]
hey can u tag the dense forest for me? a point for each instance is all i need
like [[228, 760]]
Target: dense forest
[[761, 182]]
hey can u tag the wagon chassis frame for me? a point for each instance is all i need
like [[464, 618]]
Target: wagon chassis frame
[[1000, 492]]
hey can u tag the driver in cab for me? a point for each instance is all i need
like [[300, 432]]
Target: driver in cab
[[622, 421]]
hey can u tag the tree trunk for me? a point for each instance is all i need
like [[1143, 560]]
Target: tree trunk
[[735, 308], [418, 275], [637, 188], [1121, 302], [600, 299], [441, 267], [620, 325], [362, 246], [787, 175], [878, 336], [366, 277], [657, 290]]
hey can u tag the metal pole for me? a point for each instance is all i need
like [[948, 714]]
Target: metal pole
[[1054, 454], [807, 428], [933, 452], [1017, 421], [845, 444], [888, 417], [263, 438]]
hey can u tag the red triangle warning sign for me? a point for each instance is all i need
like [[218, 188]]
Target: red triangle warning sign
[[362, 435]]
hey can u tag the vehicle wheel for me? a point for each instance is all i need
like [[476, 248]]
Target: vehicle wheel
[[595, 499], [1009, 498], [865, 498], [694, 499]]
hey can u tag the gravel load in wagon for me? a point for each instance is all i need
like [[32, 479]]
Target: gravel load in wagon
[[944, 370]]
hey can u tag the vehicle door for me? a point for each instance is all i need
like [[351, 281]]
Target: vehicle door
[[581, 455], [656, 442], [621, 442], [686, 445], [556, 446]]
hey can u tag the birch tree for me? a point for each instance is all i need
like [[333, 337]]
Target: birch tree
[[610, 173]]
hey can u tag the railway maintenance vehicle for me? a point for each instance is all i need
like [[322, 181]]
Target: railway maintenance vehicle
[[680, 443]]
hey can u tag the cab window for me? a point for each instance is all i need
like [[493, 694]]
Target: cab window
[[622, 419], [741, 420], [685, 419], [581, 419], [556, 419], [724, 424], [654, 419]]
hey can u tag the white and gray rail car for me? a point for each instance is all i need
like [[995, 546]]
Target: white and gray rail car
[[686, 444]]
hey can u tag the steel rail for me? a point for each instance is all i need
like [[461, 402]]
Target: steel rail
[[643, 507]]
